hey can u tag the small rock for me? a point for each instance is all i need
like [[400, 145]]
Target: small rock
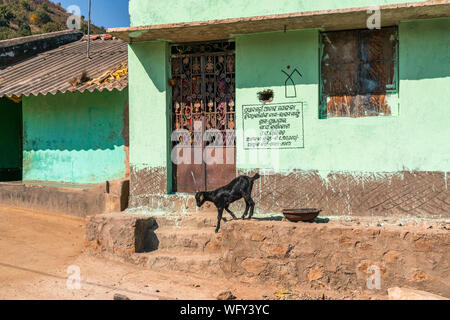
[[120, 297], [282, 293], [226, 295]]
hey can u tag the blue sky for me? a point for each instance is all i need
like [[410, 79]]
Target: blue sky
[[106, 13]]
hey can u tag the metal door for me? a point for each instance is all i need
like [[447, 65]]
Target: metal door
[[203, 98]]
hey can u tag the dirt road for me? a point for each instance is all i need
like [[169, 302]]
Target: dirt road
[[37, 248]]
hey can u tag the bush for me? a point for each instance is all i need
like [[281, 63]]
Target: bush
[[6, 33], [24, 29], [84, 28], [6, 16], [52, 27], [43, 16], [34, 19], [25, 4]]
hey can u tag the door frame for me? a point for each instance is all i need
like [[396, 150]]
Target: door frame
[[203, 55]]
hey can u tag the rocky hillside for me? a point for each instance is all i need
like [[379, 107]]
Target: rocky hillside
[[20, 18]]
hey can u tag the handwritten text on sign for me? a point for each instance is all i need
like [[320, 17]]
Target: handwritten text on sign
[[273, 126]]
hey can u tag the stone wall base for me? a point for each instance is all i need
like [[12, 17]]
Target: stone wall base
[[119, 234], [363, 257], [419, 194], [80, 201], [331, 256]]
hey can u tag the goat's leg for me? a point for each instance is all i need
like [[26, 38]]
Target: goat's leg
[[219, 218], [250, 204], [231, 213], [252, 208], [247, 206]]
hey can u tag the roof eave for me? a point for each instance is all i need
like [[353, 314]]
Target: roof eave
[[341, 19], [90, 89]]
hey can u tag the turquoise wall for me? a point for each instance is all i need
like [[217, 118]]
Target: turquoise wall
[[151, 12], [75, 137], [9, 134]]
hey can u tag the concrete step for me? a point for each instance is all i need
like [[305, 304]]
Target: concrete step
[[187, 239], [176, 260]]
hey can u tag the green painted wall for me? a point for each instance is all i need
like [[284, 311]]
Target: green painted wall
[[414, 139], [74, 137], [150, 12], [9, 134], [149, 106]]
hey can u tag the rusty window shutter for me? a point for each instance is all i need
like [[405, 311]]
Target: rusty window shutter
[[358, 72]]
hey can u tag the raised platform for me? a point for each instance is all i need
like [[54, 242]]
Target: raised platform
[[64, 198], [424, 194], [332, 255]]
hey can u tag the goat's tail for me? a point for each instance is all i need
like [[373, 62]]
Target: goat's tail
[[256, 177]]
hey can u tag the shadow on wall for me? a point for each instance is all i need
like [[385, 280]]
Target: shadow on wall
[[423, 54], [424, 49], [10, 140], [76, 121], [260, 65], [152, 57]]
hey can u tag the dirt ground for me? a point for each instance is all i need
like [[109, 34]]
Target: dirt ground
[[37, 248]]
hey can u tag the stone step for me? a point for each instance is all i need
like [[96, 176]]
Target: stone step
[[187, 239], [200, 220], [176, 260]]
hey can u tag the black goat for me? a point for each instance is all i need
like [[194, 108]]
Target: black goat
[[239, 188]]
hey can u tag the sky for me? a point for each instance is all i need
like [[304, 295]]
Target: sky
[[104, 13]]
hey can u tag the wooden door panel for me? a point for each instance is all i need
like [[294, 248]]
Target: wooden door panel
[[220, 174], [191, 176]]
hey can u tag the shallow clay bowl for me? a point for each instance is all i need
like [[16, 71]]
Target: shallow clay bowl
[[296, 215]]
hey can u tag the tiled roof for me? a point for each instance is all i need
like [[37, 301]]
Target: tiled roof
[[53, 71]]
